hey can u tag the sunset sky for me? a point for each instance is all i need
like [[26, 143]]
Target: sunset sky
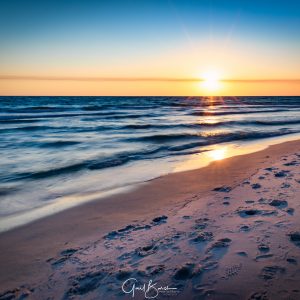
[[154, 47]]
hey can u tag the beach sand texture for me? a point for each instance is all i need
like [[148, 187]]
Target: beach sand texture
[[227, 231]]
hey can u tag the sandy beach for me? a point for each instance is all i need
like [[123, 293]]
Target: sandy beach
[[226, 231], [149, 150]]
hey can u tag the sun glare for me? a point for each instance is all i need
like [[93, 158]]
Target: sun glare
[[218, 154], [211, 81]]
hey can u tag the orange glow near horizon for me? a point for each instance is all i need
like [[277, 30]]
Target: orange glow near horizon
[[147, 88]]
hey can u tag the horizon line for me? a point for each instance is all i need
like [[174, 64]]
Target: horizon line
[[135, 79]]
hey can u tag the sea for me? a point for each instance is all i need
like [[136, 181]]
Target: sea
[[57, 152]]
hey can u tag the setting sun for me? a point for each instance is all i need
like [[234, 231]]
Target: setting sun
[[211, 82]]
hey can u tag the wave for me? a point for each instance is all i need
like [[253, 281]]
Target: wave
[[225, 137], [163, 151], [16, 121], [162, 138], [234, 112], [147, 126], [204, 124], [59, 144], [91, 164], [206, 136], [242, 122], [104, 115], [283, 122], [26, 128]]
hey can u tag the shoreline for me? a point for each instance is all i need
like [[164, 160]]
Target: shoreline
[[25, 250], [194, 162]]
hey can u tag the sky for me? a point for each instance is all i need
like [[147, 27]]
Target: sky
[[150, 47]]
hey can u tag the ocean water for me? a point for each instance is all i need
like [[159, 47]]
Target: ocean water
[[53, 147]]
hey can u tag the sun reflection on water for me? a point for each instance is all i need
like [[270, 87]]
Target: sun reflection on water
[[218, 154]]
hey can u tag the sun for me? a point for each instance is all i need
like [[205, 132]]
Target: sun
[[211, 81]]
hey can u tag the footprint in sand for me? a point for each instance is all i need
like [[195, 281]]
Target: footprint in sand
[[210, 265], [246, 213], [224, 189], [263, 256], [187, 271], [285, 185], [270, 272], [295, 238], [292, 260], [259, 296], [22, 292], [221, 243], [155, 270], [200, 223], [85, 283], [146, 250], [219, 248], [65, 255], [278, 203], [256, 186], [159, 220], [203, 237], [290, 211], [245, 228], [115, 234], [292, 163], [123, 274], [263, 248], [282, 173]]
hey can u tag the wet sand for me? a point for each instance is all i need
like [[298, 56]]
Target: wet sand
[[227, 231]]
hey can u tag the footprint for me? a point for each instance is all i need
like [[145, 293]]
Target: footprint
[[263, 248], [290, 211], [219, 248], [259, 296], [146, 250], [203, 237], [270, 272], [86, 283], [263, 256], [155, 270], [123, 274], [65, 255], [245, 228], [278, 203], [186, 271], [291, 163], [246, 213], [125, 230], [292, 260], [201, 223], [159, 220], [295, 238], [224, 189], [256, 186], [282, 173]]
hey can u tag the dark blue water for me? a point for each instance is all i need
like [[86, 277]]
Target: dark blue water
[[52, 146]]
